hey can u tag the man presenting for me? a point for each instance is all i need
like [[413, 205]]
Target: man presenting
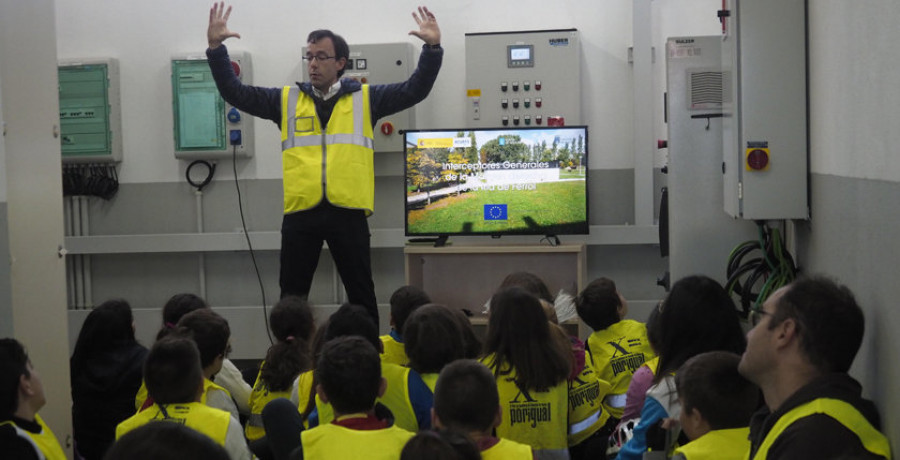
[[327, 148], [804, 339]]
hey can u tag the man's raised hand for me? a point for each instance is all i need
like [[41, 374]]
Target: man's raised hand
[[218, 25]]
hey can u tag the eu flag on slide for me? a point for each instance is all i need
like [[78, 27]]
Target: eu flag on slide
[[495, 212]]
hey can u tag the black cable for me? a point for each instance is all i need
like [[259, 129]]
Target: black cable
[[262, 288], [210, 172]]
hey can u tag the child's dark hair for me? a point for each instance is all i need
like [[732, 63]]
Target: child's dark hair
[[107, 327], [176, 307], [403, 302], [440, 445], [351, 319], [349, 371], [292, 325], [598, 304], [172, 371], [466, 397], [470, 339], [519, 336], [433, 338], [711, 384], [209, 330], [697, 316], [162, 439], [529, 282], [13, 365]]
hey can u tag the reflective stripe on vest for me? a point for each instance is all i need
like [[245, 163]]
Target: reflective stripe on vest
[[842, 412], [336, 164]]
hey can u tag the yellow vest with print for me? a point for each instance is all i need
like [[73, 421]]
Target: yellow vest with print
[[616, 352], [842, 412], [507, 450], [332, 441], [45, 442], [142, 393], [259, 397], [395, 398], [536, 418], [338, 162], [207, 420], [394, 351], [586, 413], [729, 444]]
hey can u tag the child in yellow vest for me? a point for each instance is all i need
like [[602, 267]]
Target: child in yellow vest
[[174, 381], [618, 346], [348, 373], [716, 406], [291, 321], [466, 400], [404, 301], [531, 369], [23, 434]]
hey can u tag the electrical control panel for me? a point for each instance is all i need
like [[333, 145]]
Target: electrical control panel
[[90, 112], [205, 126], [530, 78], [765, 118], [379, 64]]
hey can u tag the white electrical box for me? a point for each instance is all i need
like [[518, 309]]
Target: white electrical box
[[205, 126], [380, 64], [765, 135], [530, 78], [90, 112]]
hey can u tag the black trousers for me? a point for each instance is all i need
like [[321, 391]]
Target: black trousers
[[347, 233]]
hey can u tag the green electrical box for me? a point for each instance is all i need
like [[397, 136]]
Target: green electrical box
[[205, 126], [89, 111]]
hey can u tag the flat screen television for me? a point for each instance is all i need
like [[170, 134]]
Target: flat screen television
[[496, 181]]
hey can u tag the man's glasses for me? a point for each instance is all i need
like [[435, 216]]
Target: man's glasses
[[321, 57], [757, 314]]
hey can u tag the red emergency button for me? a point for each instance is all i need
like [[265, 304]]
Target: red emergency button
[[757, 159], [236, 67], [387, 128]]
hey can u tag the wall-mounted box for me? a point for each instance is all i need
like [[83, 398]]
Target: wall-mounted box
[[90, 112]]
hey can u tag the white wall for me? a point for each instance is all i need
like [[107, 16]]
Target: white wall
[[144, 36], [854, 65]]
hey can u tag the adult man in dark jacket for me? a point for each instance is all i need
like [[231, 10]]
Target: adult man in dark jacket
[[804, 339], [327, 142]]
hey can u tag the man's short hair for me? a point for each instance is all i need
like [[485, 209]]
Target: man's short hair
[[341, 50], [711, 384], [829, 321], [349, 370], [404, 301], [598, 304], [168, 440], [13, 365], [209, 330], [172, 370], [466, 397]]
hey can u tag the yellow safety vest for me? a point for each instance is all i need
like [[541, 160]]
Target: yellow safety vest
[[334, 441], [507, 450], [395, 398], [207, 420], [536, 418], [616, 352], [45, 442], [304, 388], [338, 162], [394, 351], [729, 444], [208, 384], [586, 414], [842, 412], [259, 397]]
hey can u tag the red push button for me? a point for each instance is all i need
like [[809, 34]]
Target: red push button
[[757, 159], [236, 67], [387, 128]]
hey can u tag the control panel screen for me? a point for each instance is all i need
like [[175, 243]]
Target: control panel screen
[[520, 55]]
